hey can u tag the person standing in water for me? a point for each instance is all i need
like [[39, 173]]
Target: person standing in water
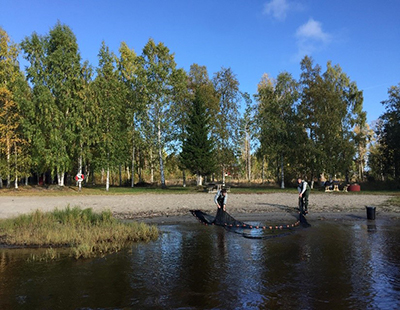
[[220, 199], [304, 192]]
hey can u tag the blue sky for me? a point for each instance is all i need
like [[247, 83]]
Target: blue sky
[[252, 37]]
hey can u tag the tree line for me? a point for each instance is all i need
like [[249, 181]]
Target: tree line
[[142, 117]]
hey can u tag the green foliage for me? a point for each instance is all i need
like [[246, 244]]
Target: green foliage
[[226, 129], [280, 128], [331, 105], [14, 95], [112, 124], [198, 150], [158, 77], [384, 158], [137, 108], [55, 72]]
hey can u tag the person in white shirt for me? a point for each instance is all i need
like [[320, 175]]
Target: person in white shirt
[[304, 192], [221, 198]]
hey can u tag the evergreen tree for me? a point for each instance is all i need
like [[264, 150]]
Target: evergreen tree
[[198, 151], [388, 138]]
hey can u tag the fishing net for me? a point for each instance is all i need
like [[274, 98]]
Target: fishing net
[[224, 219]]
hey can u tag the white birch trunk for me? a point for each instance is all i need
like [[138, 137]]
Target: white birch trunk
[[128, 174], [133, 152], [16, 166], [151, 167], [80, 170], [282, 173], [8, 164], [133, 167], [60, 178], [160, 156], [108, 179], [199, 180]]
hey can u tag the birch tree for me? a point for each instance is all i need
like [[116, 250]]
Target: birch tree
[[157, 68], [277, 100], [331, 106], [248, 133], [14, 92], [55, 73], [227, 127], [109, 94]]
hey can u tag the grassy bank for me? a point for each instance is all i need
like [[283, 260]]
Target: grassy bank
[[85, 233], [54, 190]]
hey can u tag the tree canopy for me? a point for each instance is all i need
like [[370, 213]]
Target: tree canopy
[[141, 117]]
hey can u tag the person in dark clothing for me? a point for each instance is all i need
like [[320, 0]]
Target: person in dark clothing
[[221, 198], [304, 192]]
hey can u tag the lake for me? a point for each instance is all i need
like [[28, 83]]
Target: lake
[[348, 264]]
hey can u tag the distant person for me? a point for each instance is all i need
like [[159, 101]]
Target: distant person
[[304, 192], [220, 199]]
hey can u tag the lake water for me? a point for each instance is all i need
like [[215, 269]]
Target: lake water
[[353, 264]]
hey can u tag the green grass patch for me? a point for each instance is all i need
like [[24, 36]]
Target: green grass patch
[[55, 190], [84, 232]]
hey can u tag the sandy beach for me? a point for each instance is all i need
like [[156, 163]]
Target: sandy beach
[[161, 208]]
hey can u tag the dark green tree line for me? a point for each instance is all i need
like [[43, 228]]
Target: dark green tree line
[[384, 158]]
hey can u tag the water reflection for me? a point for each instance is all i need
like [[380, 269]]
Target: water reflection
[[349, 265]]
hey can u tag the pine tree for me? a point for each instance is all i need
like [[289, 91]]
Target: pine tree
[[198, 150]]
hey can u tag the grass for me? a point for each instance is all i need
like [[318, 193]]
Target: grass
[[55, 190], [85, 233]]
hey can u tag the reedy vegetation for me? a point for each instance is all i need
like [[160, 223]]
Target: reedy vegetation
[[83, 232], [130, 118]]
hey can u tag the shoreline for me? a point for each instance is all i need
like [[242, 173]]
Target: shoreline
[[170, 208]]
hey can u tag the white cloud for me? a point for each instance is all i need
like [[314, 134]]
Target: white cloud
[[311, 38], [312, 30], [279, 8]]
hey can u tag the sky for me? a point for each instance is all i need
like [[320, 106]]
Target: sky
[[252, 37]]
